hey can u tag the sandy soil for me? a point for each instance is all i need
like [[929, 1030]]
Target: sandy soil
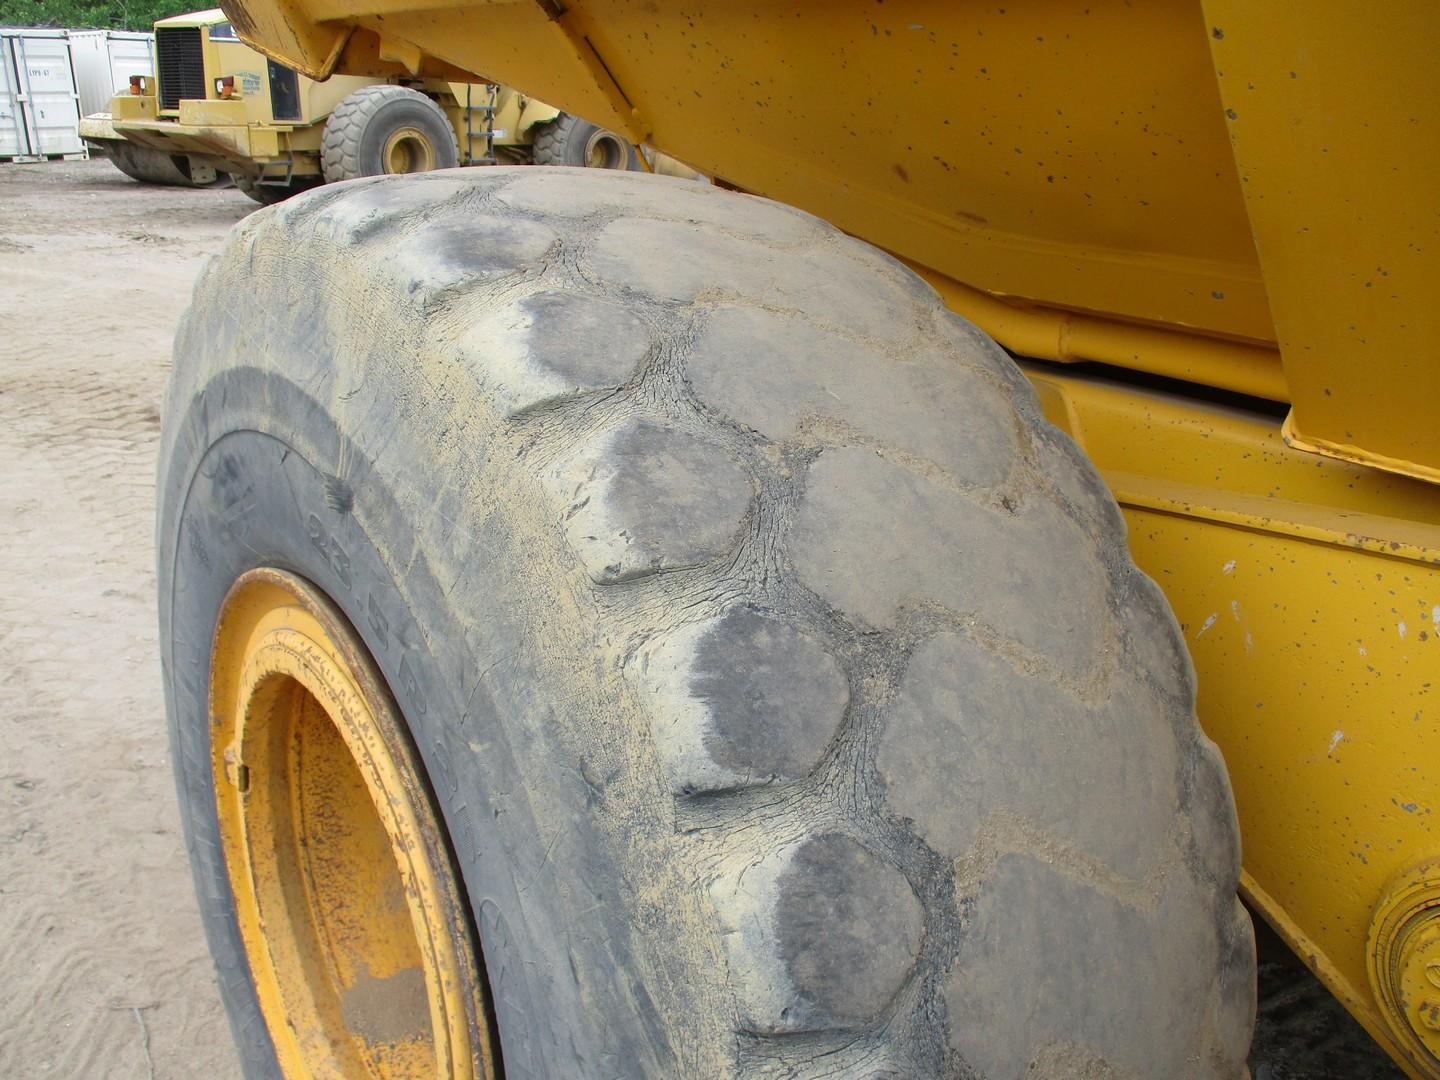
[[102, 960]]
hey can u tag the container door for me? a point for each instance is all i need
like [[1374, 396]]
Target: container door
[[130, 54], [89, 58], [52, 108], [13, 140]]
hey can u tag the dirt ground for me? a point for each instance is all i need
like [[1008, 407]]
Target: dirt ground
[[102, 960]]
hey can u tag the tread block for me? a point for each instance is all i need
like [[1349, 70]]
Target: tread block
[[433, 230], [1214, 828], [579, 193], [1154, 641], [475, 248], [837, 291], [743, 699], [373, 206], [1039, 970], [820, 935], [1235, 997], [968, 736], [552, 345], [771, 372], [1076, 479], [649, 497], [1033, 573]]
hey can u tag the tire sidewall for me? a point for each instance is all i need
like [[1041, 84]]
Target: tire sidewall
[[247, 497]]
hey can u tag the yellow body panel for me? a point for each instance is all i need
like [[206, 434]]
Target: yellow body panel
[[131, 107], [1333, 119], [1073, 190], [231, 143], [210, 112], [207, 17]]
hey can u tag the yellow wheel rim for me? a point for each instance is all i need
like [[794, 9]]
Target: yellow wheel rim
[[605, 150], [408, 151], [352, 921]]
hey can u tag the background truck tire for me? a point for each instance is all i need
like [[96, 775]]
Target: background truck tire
[[568, 140], [152, 167], [373, 118], [788, 692]]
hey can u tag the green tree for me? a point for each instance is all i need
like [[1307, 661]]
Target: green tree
[[88, 14]]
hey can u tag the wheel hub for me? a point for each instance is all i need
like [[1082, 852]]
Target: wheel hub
[[604, 151], [1404, 961], [408, 151]]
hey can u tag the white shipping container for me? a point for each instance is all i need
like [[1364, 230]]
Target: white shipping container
[[39, 109], [104, 61], [13, 140]]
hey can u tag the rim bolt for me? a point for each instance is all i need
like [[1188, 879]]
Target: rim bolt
[[1430, 1014]]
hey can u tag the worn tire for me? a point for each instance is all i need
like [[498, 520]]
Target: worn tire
[[568, 140], [790, 697], [355, 135]]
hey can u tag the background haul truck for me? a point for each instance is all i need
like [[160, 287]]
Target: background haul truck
[[217, 108], [622, 627]]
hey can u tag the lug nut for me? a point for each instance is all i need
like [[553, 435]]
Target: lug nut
[[1430, 1014]]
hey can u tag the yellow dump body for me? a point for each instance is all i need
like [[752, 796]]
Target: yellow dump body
[[1125, 160], [1241, 195]]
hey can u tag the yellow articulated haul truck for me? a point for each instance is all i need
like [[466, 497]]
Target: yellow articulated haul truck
[[216, 106], [620, 627]]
